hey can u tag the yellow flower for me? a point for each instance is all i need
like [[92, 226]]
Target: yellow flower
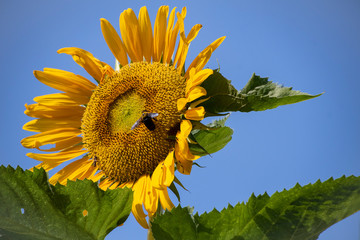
[[131, 129]]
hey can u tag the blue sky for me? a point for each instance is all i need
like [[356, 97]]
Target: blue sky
[[312, 46]]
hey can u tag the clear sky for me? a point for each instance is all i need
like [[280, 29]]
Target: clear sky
[[312, 46]]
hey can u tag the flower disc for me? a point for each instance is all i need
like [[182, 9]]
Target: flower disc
[[122, 150]]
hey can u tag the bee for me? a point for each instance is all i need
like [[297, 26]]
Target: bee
[[147, 119], [95, 161]]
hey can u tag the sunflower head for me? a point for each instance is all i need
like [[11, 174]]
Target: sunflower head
[[131, 129], [123, 152]]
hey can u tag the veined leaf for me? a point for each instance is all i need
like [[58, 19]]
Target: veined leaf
[[177, 224], [211, 140], [31, 208], [259, 94], [300, 213]]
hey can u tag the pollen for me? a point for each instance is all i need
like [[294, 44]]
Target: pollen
[[122, 153]]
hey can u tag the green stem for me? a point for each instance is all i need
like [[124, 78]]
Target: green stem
[[159, 211], [150, 234]]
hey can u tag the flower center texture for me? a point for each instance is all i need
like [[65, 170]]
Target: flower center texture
[[115, 124]]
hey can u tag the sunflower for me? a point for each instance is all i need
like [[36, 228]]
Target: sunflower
[[131, 128]]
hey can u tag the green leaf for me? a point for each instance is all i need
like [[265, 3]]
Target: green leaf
[[300, 213], [31, 208], [259, 94], [211, 140], [177, 224]]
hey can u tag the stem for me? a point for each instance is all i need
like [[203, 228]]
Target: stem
[[150, 234], [159, 211]]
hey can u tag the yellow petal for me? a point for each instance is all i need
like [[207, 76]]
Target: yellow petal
[[85, 59], [185, 128], [193, 33], [139, 215], [114, 185], [114, 42], [170, 26], [195, 93], [86, 170], [127, 185], [63, 145], [105, 184], [183, 54], [165, 200], [182, 151], [160, 32], [139, 189], [204, 56], [68, 172], [146, 33], [197, 79], [157, 177], [168, 49], [182, 41], [196, 114], [163, 175], [97, 177], [169, 169], [107, 71], [43, 125], [56, 157], [183, 166], [90, 172], [43, 111], [196, 103], [130, 32], [203, 59], [138, 199], [151, 197], [76, 79], [62, 99], [181, 103], [183, 12], [50, 137], [192, 73], [65, 81], [52, 160]]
